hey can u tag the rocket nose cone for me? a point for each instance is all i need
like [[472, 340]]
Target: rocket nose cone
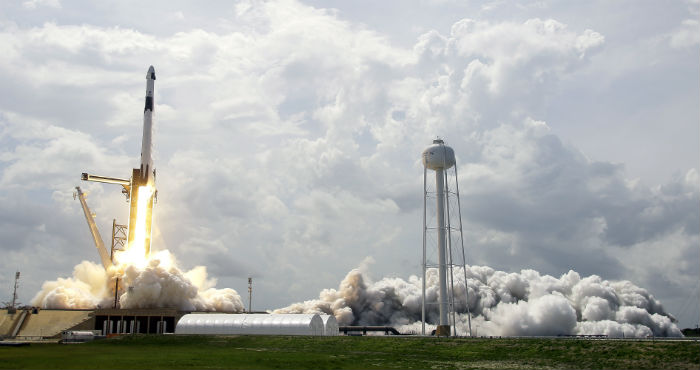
[[151, 74]]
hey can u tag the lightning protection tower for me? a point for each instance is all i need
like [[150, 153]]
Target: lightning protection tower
[[441, 235], [13, 305]]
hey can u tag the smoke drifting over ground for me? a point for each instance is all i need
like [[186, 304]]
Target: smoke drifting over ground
[[157, 285], [501, 303], [507, 304]]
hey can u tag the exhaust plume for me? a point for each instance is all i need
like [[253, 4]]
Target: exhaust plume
[[501, 303], [158, 284]]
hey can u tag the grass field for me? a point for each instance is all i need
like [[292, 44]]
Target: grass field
[[273, 352]]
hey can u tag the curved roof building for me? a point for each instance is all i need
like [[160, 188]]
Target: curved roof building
[[255, 324], [330, 325]]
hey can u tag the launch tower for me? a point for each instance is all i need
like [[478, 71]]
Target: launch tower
[[139, 189]]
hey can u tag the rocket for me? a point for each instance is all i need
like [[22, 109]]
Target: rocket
[[143, 179], [147, 172], [140, 188]]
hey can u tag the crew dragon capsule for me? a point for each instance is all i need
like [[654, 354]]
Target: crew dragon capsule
[[140, 189]]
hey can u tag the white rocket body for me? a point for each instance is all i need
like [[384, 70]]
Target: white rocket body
[[147, 170], [144, 177]]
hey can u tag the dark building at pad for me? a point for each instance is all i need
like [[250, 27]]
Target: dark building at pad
[[47, 324]]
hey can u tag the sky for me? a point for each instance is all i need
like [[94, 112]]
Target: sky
[[288, 136]]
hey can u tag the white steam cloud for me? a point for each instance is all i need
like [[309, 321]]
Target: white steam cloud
[[501, 303], [160, 284]]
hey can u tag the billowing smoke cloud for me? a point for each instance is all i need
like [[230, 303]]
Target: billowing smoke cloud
[[89, 287], [501, 303], [159, 284]]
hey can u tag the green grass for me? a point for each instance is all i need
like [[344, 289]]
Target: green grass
[[276, 352]]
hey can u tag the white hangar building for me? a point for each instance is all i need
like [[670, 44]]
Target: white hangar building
[[257, 324]]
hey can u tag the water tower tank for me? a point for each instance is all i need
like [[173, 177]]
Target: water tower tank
[[438, 156]]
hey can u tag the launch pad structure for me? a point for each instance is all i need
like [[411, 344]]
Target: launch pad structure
[[139, 190], [46, 324], [34, 323]]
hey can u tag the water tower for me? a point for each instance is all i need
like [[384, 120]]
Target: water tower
[[440, 158]]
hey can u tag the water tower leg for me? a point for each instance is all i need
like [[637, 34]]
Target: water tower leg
[[443, 328]]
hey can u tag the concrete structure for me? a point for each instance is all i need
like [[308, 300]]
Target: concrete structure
[[255, 324], [45, 323], [136, 321], [38, 324]]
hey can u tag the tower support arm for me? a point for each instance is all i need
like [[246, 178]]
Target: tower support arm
[[97, 238], [105, 179], [126, 184]]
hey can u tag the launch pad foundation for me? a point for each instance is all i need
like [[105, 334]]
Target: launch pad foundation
[[38, 324], [143, 321]]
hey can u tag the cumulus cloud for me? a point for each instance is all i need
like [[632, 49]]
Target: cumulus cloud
[[687, 35]]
